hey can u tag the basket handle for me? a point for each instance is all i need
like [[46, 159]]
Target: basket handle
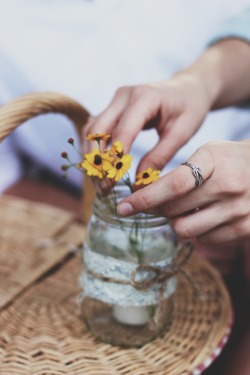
[[19, 110]]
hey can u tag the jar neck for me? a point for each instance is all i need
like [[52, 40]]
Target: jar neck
[[105, 209]]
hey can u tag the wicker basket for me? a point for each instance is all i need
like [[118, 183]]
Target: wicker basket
[[41, 330], [19, 110]]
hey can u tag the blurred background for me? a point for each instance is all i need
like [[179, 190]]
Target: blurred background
[[86, 49]]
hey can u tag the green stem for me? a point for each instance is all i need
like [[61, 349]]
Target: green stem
[[134, 242]]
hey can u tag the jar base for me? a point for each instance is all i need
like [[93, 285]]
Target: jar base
[[100, 320]]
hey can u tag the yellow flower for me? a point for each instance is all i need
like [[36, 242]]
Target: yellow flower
[[147, 176], [120, 167], [117, 149], [96, 163], [98, 137]]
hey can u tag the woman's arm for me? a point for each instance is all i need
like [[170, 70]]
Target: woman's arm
[[224, 72], [177, 107]]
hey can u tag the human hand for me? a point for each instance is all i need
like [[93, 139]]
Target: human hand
[[176, 108], [216, 212]]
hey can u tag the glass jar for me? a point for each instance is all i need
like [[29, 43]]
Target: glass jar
[[125, 301]]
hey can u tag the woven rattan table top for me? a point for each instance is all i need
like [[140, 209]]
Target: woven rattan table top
[[41, 330]]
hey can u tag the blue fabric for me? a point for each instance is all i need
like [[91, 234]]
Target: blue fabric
[[235, 27]]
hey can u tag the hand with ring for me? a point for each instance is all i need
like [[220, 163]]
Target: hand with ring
[[208, 196], [217, 209]]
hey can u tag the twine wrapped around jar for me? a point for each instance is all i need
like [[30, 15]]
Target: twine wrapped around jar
[[153, 275], [161, 274]]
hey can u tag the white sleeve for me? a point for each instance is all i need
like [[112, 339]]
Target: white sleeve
[[234, 27]]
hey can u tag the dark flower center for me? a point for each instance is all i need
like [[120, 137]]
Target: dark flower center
[[97, 160], [119, 165], [145, 175]]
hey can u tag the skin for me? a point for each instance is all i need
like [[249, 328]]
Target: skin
[[219, 210]]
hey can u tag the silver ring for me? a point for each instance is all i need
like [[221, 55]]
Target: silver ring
[[196, 172]]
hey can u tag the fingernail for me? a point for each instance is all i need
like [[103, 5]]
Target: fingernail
[[124, 209]]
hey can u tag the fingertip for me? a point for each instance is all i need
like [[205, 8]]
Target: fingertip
[[142, 165], [137, 187], [125, 209], [123, 137], [146, 163]]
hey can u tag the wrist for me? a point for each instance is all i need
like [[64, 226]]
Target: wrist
[[201, 83], [223, 72], [207, 79]]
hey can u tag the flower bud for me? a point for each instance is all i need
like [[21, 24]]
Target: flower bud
[[71, 141], [64, 167], [64, 155]]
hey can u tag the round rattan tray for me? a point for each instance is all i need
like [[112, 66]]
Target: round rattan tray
[[41, 329]]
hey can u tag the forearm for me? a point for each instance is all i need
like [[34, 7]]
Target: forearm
[[224, 73]]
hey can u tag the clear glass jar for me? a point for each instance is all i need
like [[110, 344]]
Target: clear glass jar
[[123, 302]]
